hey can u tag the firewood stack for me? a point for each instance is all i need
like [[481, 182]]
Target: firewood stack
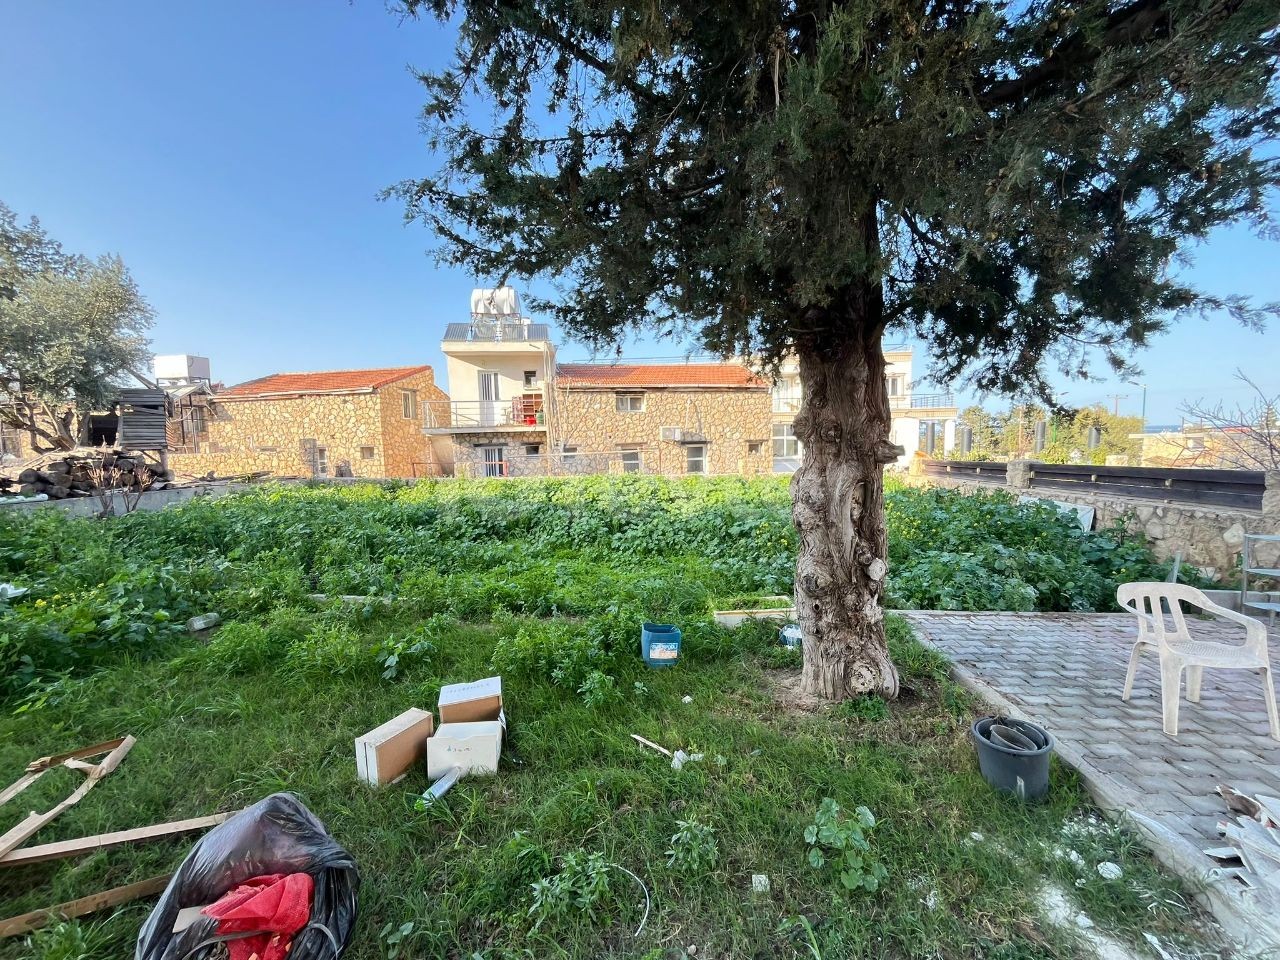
[[77, 475]]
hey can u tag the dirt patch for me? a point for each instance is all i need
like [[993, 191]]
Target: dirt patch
[[783, 687]]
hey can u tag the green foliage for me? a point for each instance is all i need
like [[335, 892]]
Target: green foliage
[[841, 845], [69, 328], [565, 568], [693, 849], [1015, 180], [863, 708], [578, 890]]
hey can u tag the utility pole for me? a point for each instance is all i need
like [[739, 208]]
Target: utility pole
[[1117, 397]]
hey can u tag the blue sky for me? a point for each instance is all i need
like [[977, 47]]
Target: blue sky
[[232, 153]]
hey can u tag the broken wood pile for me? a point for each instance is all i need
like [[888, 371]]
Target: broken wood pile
[[1253, 856], [78, 475]]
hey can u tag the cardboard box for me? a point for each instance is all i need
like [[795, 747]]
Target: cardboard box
[[385, 754], [471, 702], [473, 747]]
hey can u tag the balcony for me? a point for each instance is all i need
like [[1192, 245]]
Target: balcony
[[479, 416], [907, 401], [496, 332], [923, 401]]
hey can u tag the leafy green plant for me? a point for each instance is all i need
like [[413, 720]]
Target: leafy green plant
[[578, 889], [842, 844], [694, 849], [395, 939], [396, 653], [863, 708]]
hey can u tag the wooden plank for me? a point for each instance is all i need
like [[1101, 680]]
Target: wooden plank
[[24, 830], [37, 767], [25, 923], [83, 845]]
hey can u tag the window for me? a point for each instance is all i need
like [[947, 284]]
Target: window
[[785, 444], [629, 402], [322, 461], [409, 404], [366, 453], [9, 441], [495, 461], [754, 447], [630, 459], [530, 378], [895, 385], [695, 458], [569, 453], [197, 419], [532, 449]]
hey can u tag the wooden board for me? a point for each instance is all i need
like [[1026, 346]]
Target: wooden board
[[93, 773], [26, 922], [82, 845]]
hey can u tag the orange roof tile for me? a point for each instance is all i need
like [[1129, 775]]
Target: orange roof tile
[[326, 381], [639, 375]]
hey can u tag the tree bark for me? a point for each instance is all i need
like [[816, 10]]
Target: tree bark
[[838, 500]]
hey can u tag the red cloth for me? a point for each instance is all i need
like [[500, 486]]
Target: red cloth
[[279, 904]]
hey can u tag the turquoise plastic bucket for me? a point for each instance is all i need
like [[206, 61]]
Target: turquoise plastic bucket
[[660, 644]]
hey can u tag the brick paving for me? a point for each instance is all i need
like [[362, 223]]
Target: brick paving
[[1066, 672]]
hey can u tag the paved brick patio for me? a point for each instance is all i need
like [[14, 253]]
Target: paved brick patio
[[1066, 671]]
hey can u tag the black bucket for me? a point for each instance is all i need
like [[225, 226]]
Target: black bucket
[[1012, 769]]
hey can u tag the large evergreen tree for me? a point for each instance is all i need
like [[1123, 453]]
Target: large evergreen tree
[[1008, 181]]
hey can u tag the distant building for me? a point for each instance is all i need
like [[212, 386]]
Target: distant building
[[1212, 447], [513, 411], [923, 421], [320, 424]]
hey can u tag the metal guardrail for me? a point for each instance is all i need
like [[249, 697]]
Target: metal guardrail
[[906, 401], [1241, 489], [497, 332], [988, 471], [461, 415], [1223, 488]]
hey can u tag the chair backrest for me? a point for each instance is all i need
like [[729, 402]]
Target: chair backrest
[[1149, 601]]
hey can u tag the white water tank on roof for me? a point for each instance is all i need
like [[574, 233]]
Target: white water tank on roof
[[499, 303], [180, 366]]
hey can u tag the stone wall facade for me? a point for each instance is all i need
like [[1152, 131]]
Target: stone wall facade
[[733, 426], [367, 429], [1208, 537]]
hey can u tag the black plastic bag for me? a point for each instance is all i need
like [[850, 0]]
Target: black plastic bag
[[275, 835]]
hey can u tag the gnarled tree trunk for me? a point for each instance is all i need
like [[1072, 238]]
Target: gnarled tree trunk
[[838, 501]]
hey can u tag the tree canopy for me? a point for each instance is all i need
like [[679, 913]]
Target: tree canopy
[[1013, 181], [70, 327]]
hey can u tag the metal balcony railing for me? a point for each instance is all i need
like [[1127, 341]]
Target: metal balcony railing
[[460, 415], [497, 332], [906, 401]]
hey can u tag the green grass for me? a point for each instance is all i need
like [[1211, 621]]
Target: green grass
[[546, 582], [217, 731]]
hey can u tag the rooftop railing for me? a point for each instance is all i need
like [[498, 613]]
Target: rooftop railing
[[496, 332]]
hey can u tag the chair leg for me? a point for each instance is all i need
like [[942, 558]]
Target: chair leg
[[1170, 692], [1194, 676], [1133, 669], [1269, 691]]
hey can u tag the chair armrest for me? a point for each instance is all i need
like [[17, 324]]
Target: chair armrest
[[1255, 630]]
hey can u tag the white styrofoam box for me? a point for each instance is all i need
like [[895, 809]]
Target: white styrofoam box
[[473, 747]]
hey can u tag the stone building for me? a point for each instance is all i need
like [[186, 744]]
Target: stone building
[[668, 418], [308, 424]]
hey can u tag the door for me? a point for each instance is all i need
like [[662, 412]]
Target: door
[[489, 412]]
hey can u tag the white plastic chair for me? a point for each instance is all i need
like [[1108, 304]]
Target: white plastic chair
[[1179, 650]]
